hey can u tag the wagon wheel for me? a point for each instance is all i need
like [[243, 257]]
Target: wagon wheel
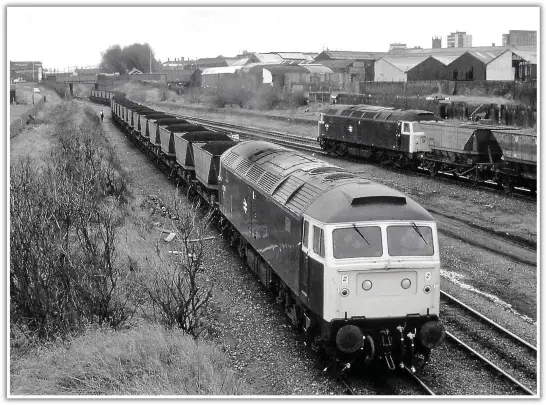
[[341, 149]]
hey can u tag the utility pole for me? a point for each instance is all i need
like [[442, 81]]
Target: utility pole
[[150, 59]]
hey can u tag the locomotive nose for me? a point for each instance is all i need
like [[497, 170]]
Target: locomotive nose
[[349, 339], [432, 334]]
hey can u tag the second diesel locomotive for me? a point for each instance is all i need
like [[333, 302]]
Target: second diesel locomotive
[[354, 263], [414, 138], [388, 134]]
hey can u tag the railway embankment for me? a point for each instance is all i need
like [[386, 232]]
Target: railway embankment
[[90, 273]]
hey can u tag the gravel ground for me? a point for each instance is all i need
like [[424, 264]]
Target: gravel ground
[[264, 348], [249, 326], [513, 357]]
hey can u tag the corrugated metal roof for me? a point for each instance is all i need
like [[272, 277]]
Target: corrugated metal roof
[[339, 64], [209, 60], [290, 62], [529, 56], [237, 62], [449, 51], [445, 59], [221, 70], [279, 69], [485, 57], [293, 55], [354, 55], [404, 63], [270, 58], [316, 68]]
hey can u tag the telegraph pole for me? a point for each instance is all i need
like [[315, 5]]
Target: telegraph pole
[[150, 59]]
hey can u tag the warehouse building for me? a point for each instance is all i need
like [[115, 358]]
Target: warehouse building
[[408, 68], [471, 65], [215, 76], [513, 65]]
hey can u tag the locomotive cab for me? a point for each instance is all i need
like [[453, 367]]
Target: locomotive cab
[[379, 256], [411, 137]]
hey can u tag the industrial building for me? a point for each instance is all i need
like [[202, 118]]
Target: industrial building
[[459, 39], [402, 68], [519, 37], [24, 70]]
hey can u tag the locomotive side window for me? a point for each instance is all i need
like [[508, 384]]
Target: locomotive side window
[[410, 240], [417, 127], [359, 241], [406, 127], [318, 241], [287, 224], [305, 233]]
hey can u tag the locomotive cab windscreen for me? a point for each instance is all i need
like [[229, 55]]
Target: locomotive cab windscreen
[[418, 141]]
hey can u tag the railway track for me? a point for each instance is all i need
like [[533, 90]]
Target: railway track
[[311, 145], [500, 349], [404, 383], [523, 252], [423, 386]]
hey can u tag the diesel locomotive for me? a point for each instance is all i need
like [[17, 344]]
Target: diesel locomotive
[[355, 264], [415, 139]]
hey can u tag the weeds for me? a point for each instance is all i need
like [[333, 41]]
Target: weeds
[[178, 295], [64, 271], [145, 360]]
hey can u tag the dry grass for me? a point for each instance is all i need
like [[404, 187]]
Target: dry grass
[[37, 140], [145, 360]]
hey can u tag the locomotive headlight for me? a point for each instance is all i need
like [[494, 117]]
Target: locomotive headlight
[[427, 289], [367, 285], [344, 292], [406, 283]]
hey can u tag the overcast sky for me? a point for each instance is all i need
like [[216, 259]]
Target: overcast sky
[[75, 36]]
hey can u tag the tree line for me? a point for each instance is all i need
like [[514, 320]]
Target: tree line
[[122, 60]]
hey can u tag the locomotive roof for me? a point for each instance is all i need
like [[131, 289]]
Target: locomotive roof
[[379, 113], [304, 184]]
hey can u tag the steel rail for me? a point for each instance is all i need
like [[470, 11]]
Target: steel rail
[[420, 382], [310, 144], [489, 321], [347, 386], [495, 367]]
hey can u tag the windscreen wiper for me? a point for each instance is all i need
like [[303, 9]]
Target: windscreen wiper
[[419, 232], [360, 233]]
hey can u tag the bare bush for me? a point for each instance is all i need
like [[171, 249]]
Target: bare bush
[[38, 279], [177, 291], [64, 271], [266, 98]]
